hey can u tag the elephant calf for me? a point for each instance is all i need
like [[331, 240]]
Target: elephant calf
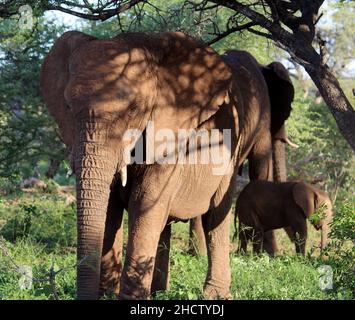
[[264, 206]]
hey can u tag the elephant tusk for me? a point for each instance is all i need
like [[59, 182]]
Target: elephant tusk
[[123, 174], [290, 143], [227, 99]]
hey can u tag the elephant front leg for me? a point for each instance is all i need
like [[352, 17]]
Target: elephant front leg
[[161, 269], [291, 234], [146, 220], [218, 280], [298, 237], [297, 230], [111, 260], [301, 239]]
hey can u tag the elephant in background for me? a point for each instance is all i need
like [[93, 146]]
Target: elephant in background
[[264, 206], [97, 89], [281, 94]]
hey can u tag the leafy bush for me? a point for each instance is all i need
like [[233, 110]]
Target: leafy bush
[[340, 253], [323, 157], [46, 219], [37, 258], [10, 186]]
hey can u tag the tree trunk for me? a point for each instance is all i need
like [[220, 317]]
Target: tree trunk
[[336, 100]]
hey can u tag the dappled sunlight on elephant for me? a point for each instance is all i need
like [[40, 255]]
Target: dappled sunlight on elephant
[[100, 89]]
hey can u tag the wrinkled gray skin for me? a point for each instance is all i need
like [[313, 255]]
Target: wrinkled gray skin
[[96, 89], [281, 93]]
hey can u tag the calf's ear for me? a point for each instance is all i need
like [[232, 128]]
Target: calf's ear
[[305, 198]]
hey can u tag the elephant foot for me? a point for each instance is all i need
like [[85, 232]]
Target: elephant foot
[[212, 292], [109, 290], [128, 292], [110, 281], [123, 296], [160, 285]]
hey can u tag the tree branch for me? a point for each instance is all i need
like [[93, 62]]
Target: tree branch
[[322, 49], [94, 13], [231, 30], [261, 34], [102, 15], [275, 29]]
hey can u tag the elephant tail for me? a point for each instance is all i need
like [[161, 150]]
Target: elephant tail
[[236, 230], [238, 233]]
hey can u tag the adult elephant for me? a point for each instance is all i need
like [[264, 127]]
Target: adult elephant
[[97, 90], [281, 94]]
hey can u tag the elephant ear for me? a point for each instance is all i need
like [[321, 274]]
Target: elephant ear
[[305, 198], [281, 92], [193, 82], [54, 78]]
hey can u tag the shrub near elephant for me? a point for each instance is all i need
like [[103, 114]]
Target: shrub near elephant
[[97, 90], [264, 206]]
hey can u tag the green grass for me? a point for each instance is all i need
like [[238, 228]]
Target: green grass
[[49, 240], [28, 253]]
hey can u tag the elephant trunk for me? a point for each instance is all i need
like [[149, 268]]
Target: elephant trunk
[[95, 167], [279, 154], [279, 161]]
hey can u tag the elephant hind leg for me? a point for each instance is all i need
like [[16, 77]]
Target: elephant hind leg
[[258, 241], [216, 225], [197, 241], [218, 280], [111, 260], [269, 242], [161, 273]]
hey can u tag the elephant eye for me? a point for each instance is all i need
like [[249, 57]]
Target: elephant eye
[[68, 106]]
